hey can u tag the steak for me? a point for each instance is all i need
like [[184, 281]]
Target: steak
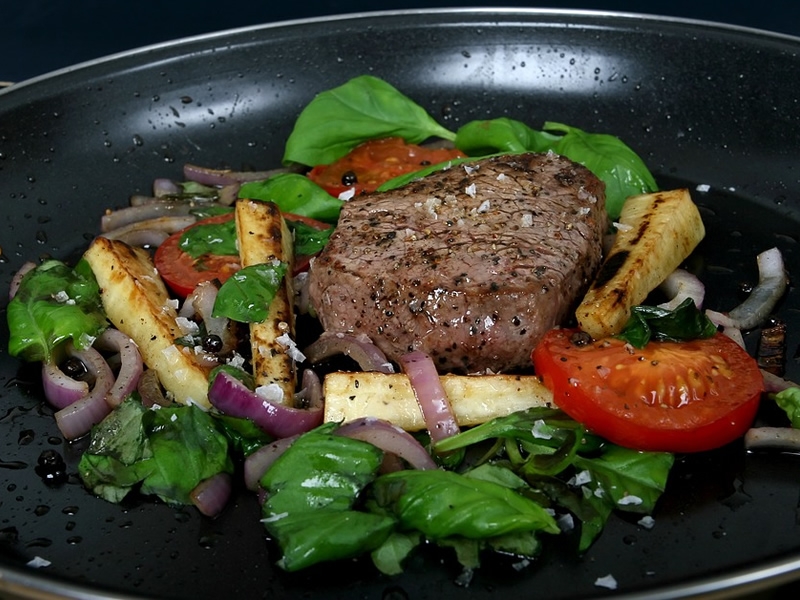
[[472, 264]]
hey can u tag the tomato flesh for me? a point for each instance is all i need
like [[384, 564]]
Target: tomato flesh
[[668, 396], [182, 273], [375, 162]]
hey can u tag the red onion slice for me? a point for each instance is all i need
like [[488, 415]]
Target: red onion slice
[[17, 279], [256, 464], [389, 438], [60, 389], [221, 177], [358, 347], [78, 418], [774, 383], [231, 397], [131, 365], [211, 495], [430, 395], [135, 214], [166, 224]]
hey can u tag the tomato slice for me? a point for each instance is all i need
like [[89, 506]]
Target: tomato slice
[[668, 396], [182, 273], [375, 162]]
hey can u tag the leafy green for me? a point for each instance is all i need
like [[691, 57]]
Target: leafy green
[[247, 294], [54, 304], [480, 138], [311, 490], [608, 157], [442, 504], [788, 400], [685, 322], [165, 452], [308, 240], [210, 238], [294, 193], [364, 108]]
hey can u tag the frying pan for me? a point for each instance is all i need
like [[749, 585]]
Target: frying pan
[[710, 107]]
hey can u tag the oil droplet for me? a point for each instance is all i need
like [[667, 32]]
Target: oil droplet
[[629, 540], [394, 593], [41, 510], [39, 543], [70, 510], [75, 539], [137, 140], [70, 525], [26, 436]]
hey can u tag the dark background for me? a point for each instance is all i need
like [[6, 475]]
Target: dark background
[[39, 36]]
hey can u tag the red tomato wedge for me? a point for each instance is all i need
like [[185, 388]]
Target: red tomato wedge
[[375, 162], [182, 273], [668, 396]]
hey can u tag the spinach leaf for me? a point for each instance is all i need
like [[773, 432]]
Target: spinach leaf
[[364, 108], [245, 297], [166, 452], [294, 193], [789, 401], [210, 238], [54, 304], [610, 159], [685, 322]]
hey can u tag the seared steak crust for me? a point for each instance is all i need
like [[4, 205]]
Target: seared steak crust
[[472, 265]]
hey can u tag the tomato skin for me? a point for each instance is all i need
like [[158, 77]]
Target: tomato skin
[[669, 396], [375, 162], [182, 273]]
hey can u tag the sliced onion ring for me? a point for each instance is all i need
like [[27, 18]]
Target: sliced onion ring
[[231, 397], [131, 365], [257, 463], [78, 418], [780, 438], [679, 285], [430, 395], [211, 495], [389, 438], [60, 389], [357, 346], [772, 283]]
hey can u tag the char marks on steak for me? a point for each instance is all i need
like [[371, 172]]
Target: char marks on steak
[[471, 265]]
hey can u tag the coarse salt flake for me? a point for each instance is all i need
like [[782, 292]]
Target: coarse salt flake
[[566, 522], [484, 207], [622, 226], [703, 187], [581, 478], [470, 191], [647, 522], [502, 177], [61, 297], [271, 392], [187, 326], [541, 430], [291, 348], [607, 581], [348, 194], [37, 562], [630, 500], [527, 220], [237, 360]]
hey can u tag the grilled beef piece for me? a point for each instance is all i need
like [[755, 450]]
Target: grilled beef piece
[[472, 265]]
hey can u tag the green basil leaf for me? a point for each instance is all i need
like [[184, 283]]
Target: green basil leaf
[[210, 210], [210, 238], [503, 135], [686, 322], [634, 480], [443, 504], [294, 193], [245, 297], [364, 108], [308, 240], [54, 304], [610, 159], [789, 401], [388, 557]]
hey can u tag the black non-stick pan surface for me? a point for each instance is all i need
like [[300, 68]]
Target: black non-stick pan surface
[[710, 107]]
